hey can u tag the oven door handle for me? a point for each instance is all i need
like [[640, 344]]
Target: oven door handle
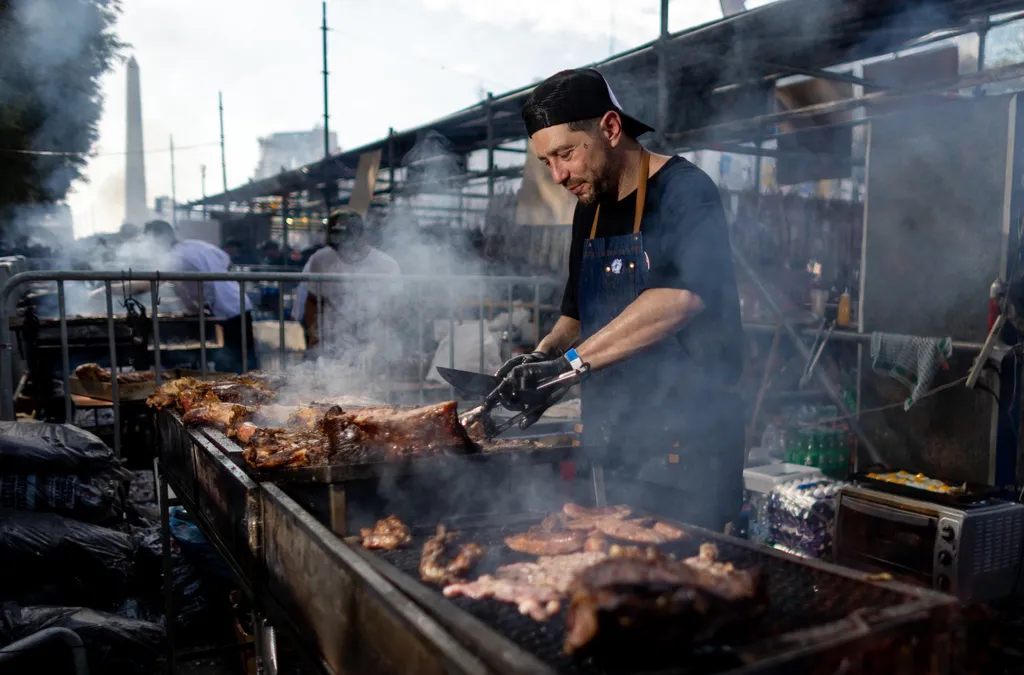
[[887, 513]]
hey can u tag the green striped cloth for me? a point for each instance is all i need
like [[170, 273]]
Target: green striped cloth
[[909, 359]]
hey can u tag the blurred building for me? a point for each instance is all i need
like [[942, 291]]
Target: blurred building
[[292, 149]]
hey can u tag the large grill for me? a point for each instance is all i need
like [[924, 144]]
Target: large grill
[[822, 619], [818, 614]]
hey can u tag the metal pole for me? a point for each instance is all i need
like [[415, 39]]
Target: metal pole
[[202, 179], [242, 319], [391, 161], [280, 326], [113, 369], [154, 290], [165, 546], [663, 75], [823, 380], [327, 142], [174, 193], [65, 360], [508, 329], [480, 319], [419, 336], [223, 157], [284, 221], [489, 104], [202, 330]]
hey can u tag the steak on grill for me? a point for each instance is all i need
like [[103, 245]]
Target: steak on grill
[[651, 607], [576, 511], [555, 572], [390, 433], [547, 543], [534, 601], [636, 532], [388, 534]]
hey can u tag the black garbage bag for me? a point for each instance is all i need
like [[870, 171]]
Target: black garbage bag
[[45, 448], [92, 499], [113, 644], [193, 596], [52, 559]]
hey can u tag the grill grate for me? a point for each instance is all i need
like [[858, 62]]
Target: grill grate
[[801, 598]]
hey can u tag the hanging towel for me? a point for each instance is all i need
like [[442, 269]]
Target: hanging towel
[[912, 360]]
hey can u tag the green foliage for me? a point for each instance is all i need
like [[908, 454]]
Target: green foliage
[[52, 56]]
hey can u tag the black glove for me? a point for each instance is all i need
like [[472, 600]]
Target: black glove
[[518, 391], [533, 357]]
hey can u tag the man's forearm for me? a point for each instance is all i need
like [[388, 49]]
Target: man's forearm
[[652, 317], [564, 335]]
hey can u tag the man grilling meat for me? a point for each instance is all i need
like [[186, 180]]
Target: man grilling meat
[[651, 305], [351, 327]]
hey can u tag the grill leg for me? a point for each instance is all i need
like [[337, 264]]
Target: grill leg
[[339, 516], [597, 479], [266, 646], [165, 542]]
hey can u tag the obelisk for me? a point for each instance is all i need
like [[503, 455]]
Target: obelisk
[[135, 211]]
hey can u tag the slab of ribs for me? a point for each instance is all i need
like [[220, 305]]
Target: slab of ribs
[[277, 436], [92, 372]]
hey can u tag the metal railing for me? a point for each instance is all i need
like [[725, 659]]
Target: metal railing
[[458, 292]]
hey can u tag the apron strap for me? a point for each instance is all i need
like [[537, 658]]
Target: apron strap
[[641, 196]]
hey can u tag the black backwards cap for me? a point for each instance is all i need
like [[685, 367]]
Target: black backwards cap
[[572, 96]]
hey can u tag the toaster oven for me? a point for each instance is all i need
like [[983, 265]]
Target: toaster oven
[[972, 551]]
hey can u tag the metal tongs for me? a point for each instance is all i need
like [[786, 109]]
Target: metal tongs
[[482, 413]]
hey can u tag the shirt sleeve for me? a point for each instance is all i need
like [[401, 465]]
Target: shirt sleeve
[[692, 252], [570, 297]]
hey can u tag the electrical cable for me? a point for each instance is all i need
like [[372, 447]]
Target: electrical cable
[[891, 406], [78, 153]]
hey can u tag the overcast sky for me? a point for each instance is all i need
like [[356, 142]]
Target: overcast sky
[[397, 63]]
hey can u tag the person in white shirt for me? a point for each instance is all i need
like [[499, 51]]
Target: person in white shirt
[[221, 298], [352, 327]]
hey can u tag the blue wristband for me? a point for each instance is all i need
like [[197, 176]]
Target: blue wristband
[[575, 361]]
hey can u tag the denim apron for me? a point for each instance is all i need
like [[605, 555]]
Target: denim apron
[[668, 443]]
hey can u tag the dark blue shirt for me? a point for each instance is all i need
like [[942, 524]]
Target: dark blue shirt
[[686, 237]]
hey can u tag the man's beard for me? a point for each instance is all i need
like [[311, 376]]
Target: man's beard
[[600, 187]]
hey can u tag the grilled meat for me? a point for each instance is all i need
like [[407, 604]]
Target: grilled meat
[[536, 602], [166, 395], [469, 555], [434, 569], [546, 543], [627, 551], [432, 564], [653, 607], [97, 373], [670, 532], [388, 534], [579, 512], [306, 418], [390, 433], [636, 532], [555, 572], [224, 416], [186, 393], [596, 543], [274, 448]]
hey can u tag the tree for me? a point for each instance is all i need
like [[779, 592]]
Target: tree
[[52, 55]]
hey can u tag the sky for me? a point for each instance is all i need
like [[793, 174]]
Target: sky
[[392, 63]]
